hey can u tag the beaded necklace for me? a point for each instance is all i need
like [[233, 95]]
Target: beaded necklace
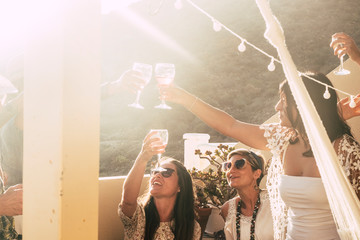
[[252, 227]]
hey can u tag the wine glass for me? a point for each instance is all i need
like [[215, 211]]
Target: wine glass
[[163, 134], [341, 70], [146, 72], [164, 74]]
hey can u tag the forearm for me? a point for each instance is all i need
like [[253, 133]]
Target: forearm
[[132, 183], [212, 116], [249, 134]]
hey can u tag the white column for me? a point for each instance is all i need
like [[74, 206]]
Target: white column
[[192, 141], [61, 120]]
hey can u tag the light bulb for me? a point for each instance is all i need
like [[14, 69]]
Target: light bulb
[[326, 93], [352, 102], [242, 46], [216, 26], [178, 4], [271, 66]]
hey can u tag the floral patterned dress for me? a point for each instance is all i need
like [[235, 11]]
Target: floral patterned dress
[[278, 138], [135, 227]]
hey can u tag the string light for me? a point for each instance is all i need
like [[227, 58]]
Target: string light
[[242, 47], [217, 26], [352, 102], [178, 4], [271, 66], [327, 93]]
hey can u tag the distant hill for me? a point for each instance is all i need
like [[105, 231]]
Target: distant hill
[[209, 65]]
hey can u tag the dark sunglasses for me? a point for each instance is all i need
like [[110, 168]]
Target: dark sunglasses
[[165, 172], [239, 164]]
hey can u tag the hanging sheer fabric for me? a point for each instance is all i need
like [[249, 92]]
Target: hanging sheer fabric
[[343, 201]]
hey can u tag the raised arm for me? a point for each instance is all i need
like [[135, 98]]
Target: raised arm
[[249, 134], [132, 184], [130, 80]]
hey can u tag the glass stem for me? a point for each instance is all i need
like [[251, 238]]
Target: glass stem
[[137, 96], [341, 62]]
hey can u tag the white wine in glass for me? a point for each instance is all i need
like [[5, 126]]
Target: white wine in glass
[[146, 72], [341, 70], [164, 74], [163, 134]]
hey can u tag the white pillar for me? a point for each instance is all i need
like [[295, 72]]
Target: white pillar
[[192, 142], [61, 120]]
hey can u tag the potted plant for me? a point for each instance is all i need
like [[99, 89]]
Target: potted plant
[[211, 187]]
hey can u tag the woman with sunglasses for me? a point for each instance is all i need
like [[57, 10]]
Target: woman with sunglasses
[[248, 215], [298, 201], [167, 210]]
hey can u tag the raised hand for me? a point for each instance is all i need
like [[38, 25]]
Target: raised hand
[[173, 93], [343, 44], [346, 110], [130, 80], [151, 146], [11, 201]]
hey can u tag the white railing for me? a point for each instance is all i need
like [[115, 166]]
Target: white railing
[[193, 141]]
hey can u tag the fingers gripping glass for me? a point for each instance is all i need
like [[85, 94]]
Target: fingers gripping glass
[[165, 172], [146, 72], [239, 164]]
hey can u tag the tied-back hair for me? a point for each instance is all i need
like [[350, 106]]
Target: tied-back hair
[[184, 214], [327, 109], [256, 160]]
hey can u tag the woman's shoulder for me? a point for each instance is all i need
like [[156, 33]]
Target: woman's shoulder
[[278, 136], [264, 195], [346, 143], [227, 206]]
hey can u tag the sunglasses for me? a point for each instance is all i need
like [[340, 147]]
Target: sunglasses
[[165, 172], [239, 164]]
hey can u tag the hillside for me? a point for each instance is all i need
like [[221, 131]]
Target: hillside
[[209, 65]]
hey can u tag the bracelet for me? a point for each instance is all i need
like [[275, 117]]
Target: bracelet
[[192, 105]]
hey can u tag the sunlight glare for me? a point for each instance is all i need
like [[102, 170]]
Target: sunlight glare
[[11, 25], [160, 36]]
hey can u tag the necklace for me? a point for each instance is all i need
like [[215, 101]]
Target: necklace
[[252, 227]]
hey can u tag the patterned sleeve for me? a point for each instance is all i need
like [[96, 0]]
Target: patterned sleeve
[[349, 154], [134, 226], [277, 136]]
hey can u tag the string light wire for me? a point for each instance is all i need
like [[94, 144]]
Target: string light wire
[[243, 40]]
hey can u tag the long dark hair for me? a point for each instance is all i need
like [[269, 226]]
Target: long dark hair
[[184, 214], [327, 109]]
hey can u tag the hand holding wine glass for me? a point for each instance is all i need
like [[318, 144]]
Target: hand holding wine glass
[[163, 135], [146, 72], [164, 74], [348, 46], [340, 50]]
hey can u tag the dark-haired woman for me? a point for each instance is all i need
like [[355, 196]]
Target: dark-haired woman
[[167, 210], [248, 215], [299, 205]]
